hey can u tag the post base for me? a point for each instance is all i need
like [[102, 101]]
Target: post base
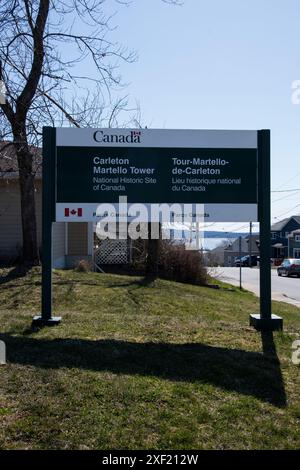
[[262, 324], [40, 321]]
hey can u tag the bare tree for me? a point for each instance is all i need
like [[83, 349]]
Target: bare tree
[[42, 43]]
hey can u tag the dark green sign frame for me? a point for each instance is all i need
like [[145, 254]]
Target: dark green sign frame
[[53, 192]]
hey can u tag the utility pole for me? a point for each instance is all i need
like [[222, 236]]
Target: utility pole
[[250, 246], [240, 256], [197, 236]]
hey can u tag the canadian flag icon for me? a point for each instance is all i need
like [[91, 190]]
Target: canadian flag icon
[[73, 212]]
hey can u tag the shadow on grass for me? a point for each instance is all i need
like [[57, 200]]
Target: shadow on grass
[[244, 372], [142, 282], [15, 273], [130, 283], [270, 353]]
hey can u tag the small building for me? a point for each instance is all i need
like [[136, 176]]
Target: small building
[[225, 253], [71, 241], [215, 257], [233, 250], [294, 244], [280, 232]]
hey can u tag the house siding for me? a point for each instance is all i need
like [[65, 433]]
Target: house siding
[[77, 238], [279, 237], [11, 229], [78, 246], [10, 218], [293, 248], [59, 244]]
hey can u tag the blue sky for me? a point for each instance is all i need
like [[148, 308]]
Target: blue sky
[[221, 65]]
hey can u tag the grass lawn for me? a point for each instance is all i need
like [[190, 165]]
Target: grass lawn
[[172, 366]]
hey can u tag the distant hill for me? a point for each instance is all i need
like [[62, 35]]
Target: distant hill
[[210, 235], [215, 234]]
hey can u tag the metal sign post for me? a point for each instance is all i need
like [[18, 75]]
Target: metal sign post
[[48, 217], [265, 321]]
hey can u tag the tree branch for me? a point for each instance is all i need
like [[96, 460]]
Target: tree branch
[[25, 98]]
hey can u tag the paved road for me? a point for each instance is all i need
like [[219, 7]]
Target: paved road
[[284, 289]]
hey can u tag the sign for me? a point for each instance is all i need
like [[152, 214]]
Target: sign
[[150, 166], [221, 174]]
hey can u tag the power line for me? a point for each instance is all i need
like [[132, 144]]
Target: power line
[[286, 190], [286, 197], [239, 228], [286, 212], [289, 180]]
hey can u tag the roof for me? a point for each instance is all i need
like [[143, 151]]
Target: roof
[[9, 163], [278, 226], [220, 248], [294, 232], [244, 244]]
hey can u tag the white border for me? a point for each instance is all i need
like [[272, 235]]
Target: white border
[[214, 212], [159, 138]]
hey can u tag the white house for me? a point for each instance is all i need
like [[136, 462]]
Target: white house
[[71, 241]]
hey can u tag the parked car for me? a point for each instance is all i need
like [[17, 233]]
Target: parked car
[[289, 267], [237, 261], [245, 260]]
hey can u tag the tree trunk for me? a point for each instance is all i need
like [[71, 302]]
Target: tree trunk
[[152, 255], [30, 252]]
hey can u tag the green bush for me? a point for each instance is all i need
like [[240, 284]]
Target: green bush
[[181, 265], [83, 266]]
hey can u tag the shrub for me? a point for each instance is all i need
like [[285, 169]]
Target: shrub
[[83, 266], [178, 264], [175, 262]]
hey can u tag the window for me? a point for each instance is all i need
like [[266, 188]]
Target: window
[[296, 252], [273, 235], [297, 238]]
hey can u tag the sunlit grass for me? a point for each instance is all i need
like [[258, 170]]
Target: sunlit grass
[[172, 366]]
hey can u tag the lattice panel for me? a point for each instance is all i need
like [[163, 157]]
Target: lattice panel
[[112, 252]]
